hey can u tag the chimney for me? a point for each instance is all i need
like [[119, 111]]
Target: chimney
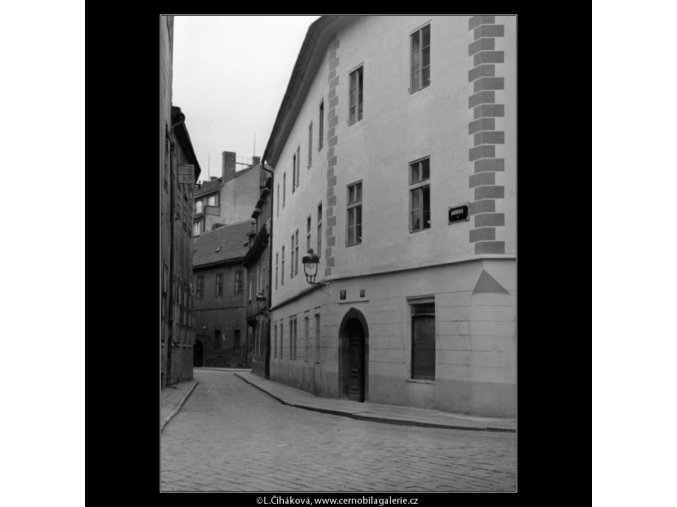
[[228, 166], [256, 161], [212, 178]]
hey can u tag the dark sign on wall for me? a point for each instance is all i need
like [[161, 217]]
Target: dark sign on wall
[[458, 213]]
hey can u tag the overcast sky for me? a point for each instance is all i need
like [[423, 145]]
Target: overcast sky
[[230, 74]]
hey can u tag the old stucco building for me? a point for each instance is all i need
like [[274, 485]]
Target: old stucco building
[[227, 199], [394, 156], [179, 170]]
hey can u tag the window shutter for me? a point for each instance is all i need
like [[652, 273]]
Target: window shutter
[[424, 346]]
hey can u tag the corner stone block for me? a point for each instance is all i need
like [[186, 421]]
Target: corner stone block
[[481, 71], [496, 164], [489, 31], [476, 21], [488, 233], [485, 206], [489, 83], [490, 192], [481, 98], [481, 45], [490, 138], [480, 125], [497, 247], [489, 57], [482, 179], [484, 151], [489, 110], [490, 220]]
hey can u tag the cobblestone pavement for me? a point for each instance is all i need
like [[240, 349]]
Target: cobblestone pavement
[[229, 436]]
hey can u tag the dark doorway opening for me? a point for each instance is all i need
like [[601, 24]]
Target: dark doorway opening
[[198, 353], [353, 356]]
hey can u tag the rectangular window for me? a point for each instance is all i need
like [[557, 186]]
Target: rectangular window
[[284, 189], [298, 166], [423, 341], [219, 285], [317, 337], [199, 285], [281, 340], [319, 229], [236, 339], [419, 195], [310, 144], [277, 260], [217, 339], [282, 272], [165, 278], [277, 212], [213, 200], [296, 246], [274, 341], [308, 233], [292, 338], [294, 183], [291, 267], [420, 59], [306, 336], [197, 227], [354, 227], [198, 206], [238, 282], [356, 91], [320, 139]]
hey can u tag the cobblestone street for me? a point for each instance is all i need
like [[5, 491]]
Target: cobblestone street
[[229, 436]]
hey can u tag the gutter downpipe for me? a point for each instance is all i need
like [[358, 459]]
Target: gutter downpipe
[[266, 367]]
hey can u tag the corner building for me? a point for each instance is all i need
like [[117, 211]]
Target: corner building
[[394, 156]]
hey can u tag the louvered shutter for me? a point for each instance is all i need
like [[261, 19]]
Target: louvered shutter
[[423, 347]]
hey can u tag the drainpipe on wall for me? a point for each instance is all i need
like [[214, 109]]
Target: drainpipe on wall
[[271, 208]]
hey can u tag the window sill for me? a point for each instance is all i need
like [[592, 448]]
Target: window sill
[[353, 244], [420, 381], [412, 93], [415, 231]]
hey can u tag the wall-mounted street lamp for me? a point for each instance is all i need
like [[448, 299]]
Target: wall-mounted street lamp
[[310, 264], [262, 302]]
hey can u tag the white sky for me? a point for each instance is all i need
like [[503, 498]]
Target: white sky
[[230, 75]]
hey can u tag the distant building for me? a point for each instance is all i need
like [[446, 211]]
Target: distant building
[[179, 172], [220, 296], [394, 155], [228, 199], [258, 264]]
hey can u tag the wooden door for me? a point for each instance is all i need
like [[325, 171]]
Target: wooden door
[[356, 363]]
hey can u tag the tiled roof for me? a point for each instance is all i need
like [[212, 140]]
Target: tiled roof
[[208, 187], [225, 243]]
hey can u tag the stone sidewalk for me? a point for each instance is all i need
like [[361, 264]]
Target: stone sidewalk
[[172, 399], [376, 412]]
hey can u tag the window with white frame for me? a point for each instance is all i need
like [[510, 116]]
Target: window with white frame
[[354, 211], [356, 95], [419, 195], [310, 144], [420, 59]]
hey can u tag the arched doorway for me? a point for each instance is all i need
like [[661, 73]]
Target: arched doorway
[[198, 353], [353, 356]]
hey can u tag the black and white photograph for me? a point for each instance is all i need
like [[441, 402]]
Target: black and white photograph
[[338, 246]]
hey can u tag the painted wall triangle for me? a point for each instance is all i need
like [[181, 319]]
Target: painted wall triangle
[[487, 284]]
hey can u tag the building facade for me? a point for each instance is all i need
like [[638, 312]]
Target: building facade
[[258, 264], [228, 199], [394, 155], [220, 291], [179, 170]]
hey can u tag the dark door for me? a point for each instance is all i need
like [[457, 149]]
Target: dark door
[[355, 361], [198, 352]]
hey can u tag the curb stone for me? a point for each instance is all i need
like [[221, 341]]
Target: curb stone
[[374, 418], [177, 409]]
